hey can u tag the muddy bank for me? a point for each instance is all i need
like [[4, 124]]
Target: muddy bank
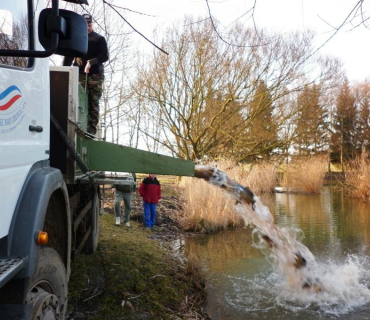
[[137, 273]]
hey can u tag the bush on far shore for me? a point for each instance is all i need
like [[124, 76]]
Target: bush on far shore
[[209, 209], [260, 177], [357, 179], [305, 175], [206, 209]]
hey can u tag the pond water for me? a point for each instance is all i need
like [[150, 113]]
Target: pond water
[[242, 284]]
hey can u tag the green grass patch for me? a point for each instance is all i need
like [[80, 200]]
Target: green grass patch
[[131, 276]]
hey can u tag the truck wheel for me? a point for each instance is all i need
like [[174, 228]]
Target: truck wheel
[[48, 287], [92, 242]]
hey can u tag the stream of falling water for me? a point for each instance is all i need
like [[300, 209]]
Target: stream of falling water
[[336, 288]]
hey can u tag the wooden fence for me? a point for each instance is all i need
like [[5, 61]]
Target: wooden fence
[[164, 180]]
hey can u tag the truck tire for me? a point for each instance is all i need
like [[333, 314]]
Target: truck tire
[[92, 242], [48, 288]]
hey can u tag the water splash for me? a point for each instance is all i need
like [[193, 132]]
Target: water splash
[[330, 287]]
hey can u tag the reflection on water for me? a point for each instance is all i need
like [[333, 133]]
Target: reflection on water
[[242, 285]]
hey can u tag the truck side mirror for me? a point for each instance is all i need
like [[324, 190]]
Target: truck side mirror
[[72, 29]]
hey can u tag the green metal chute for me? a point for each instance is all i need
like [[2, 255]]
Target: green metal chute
[[106, 156]]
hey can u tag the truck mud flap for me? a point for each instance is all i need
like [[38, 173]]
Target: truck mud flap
[[8, 268]]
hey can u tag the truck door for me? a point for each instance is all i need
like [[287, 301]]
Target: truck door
[[24, 103]]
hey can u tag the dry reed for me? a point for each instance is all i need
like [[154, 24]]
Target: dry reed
[[207, 209], [305, 175], [358, 177], [262, 178]]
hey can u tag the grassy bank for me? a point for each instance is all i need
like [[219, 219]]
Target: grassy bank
[[135, 275]]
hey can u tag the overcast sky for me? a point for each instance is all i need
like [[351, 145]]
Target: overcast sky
[[351, 45]]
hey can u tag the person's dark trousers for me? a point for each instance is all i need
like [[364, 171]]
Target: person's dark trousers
[[150, 212]]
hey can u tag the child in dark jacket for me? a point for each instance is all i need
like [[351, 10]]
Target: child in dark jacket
[[150, 191]]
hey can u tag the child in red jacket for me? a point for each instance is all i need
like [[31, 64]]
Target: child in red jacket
[[150, 191]]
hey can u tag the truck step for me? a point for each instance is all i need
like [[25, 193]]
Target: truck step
[[8, 268]]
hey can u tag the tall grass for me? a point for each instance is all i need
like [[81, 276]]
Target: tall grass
[[305, 175], [208, 209], [260, 178], [358, 178]]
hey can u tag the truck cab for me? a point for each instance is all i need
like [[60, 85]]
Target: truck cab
[[50, 167]]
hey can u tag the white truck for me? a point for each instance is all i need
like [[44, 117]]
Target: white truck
[[50, 167]]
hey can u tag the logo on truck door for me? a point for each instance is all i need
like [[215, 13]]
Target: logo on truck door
[[11, 109]]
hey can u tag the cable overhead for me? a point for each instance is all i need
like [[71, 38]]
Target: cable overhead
[[133, 28]]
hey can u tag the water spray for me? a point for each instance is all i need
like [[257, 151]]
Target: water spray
[[291, 259]]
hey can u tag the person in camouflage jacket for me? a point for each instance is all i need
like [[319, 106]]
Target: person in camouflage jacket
[[91, 71]]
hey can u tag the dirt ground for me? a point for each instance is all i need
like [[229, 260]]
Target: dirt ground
[[137, 273]]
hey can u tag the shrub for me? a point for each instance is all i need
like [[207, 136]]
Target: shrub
[[208, 209], [305, 175], [262, 178], [358, 177]]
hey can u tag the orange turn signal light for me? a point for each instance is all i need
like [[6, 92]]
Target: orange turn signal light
[[42, 238]]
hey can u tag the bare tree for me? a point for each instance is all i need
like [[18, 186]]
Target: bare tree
[[201, 96], [14, 35]]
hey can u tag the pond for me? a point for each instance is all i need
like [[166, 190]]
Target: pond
[[242, 284]]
